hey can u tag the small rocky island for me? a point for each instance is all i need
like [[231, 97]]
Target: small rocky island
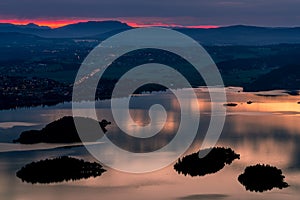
[[214, 161], [58, 170], [64, 131], [260, 178], [230, 104]]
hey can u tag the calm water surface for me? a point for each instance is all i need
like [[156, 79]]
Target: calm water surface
[[266, 131]]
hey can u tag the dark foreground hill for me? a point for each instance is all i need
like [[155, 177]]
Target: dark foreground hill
[[287, 77]]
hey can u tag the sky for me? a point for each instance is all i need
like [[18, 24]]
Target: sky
[[154, 12]]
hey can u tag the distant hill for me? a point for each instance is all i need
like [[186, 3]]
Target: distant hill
[[31, 29], [6, 27], [230, 35], [85, 29], [77, 30], [103, 36], [243, 35]]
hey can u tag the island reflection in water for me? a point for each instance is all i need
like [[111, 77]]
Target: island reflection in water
[[265, 131]]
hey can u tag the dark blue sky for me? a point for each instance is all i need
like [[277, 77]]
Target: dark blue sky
[[184, 12]]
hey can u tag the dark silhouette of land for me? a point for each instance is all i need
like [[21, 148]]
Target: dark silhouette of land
[[64, 131], [214, 161], [238, 35], [285, 76], [268, 95], [261, 178], [58, 170], [25, 91], [38, 65], [293, 92], [230, 104], [77, 30]]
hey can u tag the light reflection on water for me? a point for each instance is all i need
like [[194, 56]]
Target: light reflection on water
[[266, 131]]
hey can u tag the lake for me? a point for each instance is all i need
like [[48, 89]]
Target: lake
[[265, 131]]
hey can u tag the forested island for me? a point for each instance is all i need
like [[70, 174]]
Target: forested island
[[58, 170], [64, 131], [260, 178], [213, 162]]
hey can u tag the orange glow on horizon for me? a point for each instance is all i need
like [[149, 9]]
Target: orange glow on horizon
[[64, 22], [49, 23]]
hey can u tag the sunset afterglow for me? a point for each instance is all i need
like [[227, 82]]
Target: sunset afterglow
[[50, 23]]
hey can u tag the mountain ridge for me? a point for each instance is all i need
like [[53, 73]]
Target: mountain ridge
[[227, 35], [80, 29]]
